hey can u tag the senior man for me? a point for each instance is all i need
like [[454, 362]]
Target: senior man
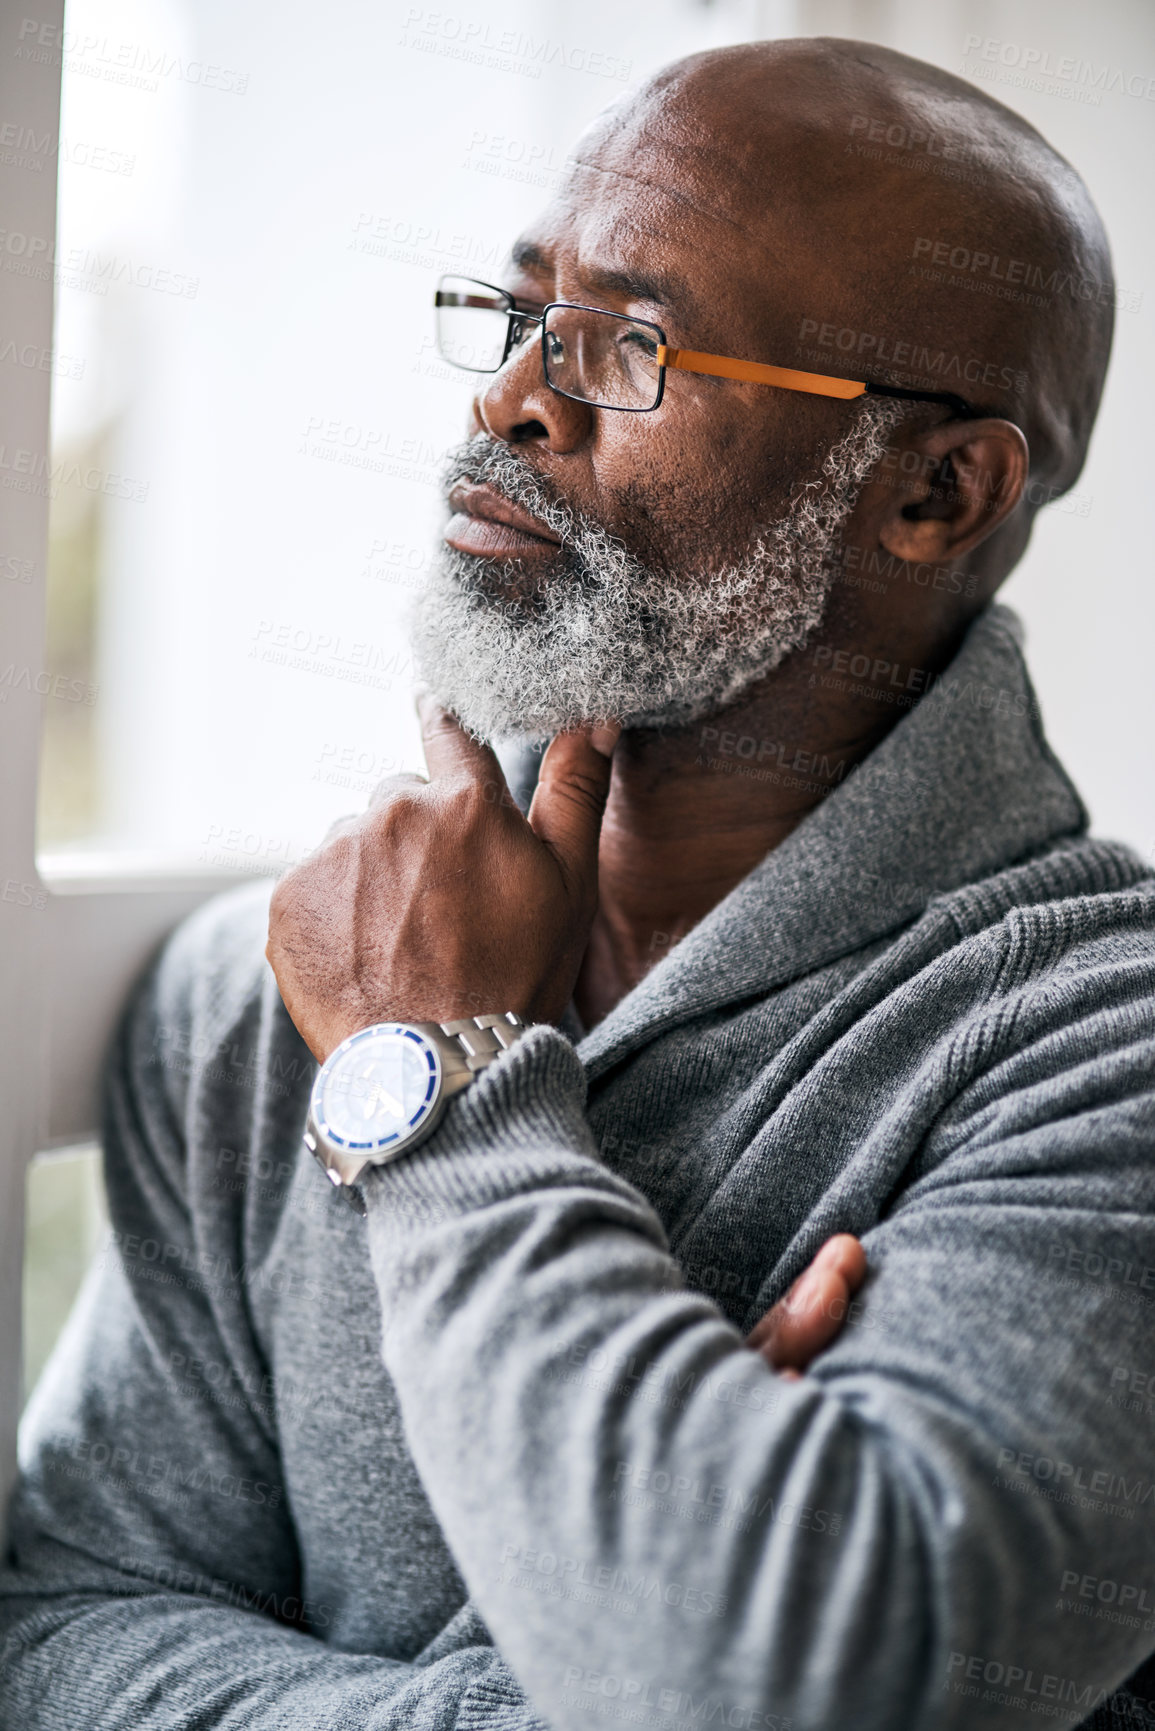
[[802, 936]]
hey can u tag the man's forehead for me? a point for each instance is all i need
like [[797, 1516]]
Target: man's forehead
[[621, 265], [635, 237], [652, 175], [706, 152]]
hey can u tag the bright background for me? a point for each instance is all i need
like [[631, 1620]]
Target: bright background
[[245, 262], [285, 414]]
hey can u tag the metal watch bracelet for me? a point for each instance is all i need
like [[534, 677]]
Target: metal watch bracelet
[[478, 1041], [481, 1038]]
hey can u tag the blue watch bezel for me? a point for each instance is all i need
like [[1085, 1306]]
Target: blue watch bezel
[[412, 1124]]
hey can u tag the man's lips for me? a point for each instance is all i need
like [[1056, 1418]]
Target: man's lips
[[484, 522]]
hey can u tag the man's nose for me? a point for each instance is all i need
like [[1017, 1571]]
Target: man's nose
[[518, 407]]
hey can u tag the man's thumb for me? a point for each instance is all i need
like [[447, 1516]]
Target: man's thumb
[[572, 786]]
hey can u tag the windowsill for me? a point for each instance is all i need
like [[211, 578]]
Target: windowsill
[[104, 873]]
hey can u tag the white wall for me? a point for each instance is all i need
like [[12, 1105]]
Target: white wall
[[288, 417], [1086, 587], [287, 414]]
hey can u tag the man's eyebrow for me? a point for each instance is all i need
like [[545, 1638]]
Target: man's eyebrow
[[644, 285], [647, 285], [528, 256]]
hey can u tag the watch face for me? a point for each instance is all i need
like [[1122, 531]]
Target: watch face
[[377, 1088]]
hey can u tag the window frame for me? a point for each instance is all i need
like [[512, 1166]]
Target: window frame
[[74, 931]]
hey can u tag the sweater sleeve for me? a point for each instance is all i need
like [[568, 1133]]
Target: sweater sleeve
[[152, 1579], [657, 1527]]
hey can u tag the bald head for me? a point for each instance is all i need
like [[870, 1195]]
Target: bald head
[[814, 208], [888, 221]]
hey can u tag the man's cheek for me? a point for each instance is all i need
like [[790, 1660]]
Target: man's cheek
[[702, 497], [666, 522]]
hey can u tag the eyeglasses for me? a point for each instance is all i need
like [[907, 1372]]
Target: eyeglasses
[[608, 359]]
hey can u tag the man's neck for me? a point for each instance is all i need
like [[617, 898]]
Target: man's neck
[[692, 812]]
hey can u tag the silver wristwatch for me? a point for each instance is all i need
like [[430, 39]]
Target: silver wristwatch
[[384, 1089]]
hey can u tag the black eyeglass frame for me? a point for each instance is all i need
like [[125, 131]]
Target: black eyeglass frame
[[683, 360]]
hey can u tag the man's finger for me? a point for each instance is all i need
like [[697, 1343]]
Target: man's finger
[[810, 1318], [842, 1256], [814, 1311], [449, 749], [572, 786]]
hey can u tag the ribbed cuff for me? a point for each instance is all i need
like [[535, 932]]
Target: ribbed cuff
[[491, 1705], [521, 1124]]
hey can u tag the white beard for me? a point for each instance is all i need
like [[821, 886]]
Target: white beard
[[609, 638]]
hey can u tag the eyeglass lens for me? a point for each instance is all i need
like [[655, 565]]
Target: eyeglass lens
[[597, 357], [601, 358], [472, 323]]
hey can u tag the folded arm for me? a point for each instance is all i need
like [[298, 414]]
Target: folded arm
[[645, 1514], [881, 1538]]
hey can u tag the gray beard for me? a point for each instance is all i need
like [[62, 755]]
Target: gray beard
[[609, 638]]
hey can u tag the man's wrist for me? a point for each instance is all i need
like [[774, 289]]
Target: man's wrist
[[520, 1125], [385, 1088]]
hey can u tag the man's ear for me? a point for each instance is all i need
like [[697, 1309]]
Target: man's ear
[[950, 487]]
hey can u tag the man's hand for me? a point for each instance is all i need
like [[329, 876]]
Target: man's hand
[[801, 1325], [443, 901]]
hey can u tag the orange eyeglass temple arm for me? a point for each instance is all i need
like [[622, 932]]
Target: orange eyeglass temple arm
[[690, 361]]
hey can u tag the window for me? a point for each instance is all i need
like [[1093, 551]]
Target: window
[[204, 574], [247, 420]]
